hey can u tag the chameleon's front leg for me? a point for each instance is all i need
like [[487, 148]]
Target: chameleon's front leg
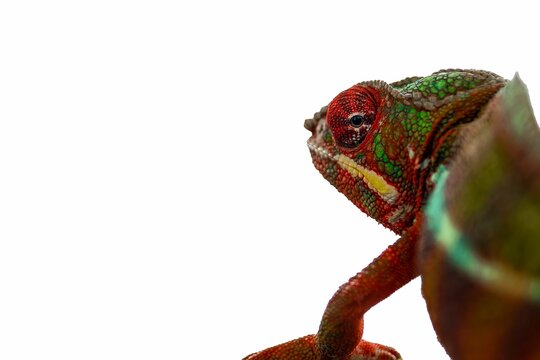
[[306, 348], [341, 328]]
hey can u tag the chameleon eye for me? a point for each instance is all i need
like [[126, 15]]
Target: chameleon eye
[[356, 120], [351, 115]]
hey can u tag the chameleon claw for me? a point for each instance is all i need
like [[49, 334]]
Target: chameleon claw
[[371, 351]]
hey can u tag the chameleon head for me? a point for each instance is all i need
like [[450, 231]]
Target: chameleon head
[[377, 143], [346, 149]]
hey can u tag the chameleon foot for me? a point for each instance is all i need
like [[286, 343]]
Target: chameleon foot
[[305, 348], [371, 351]]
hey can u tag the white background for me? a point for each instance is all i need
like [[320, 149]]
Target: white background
[[157, 199]]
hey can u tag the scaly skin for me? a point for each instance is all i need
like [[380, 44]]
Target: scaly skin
[[480, 251], [380, 145]]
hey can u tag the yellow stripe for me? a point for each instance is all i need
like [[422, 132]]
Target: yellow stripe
[[373, 180]]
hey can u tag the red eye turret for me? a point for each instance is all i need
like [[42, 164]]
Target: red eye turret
[[351, 115]]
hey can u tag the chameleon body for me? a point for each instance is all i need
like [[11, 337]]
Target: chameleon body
[[405, 154], [481, 245]]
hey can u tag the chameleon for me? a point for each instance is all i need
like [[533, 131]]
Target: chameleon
[[450, 162]]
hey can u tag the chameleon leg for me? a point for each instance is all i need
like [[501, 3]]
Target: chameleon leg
[[305, 348], [341, 328]]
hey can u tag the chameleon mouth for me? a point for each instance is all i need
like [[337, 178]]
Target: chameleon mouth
[[373, 180]]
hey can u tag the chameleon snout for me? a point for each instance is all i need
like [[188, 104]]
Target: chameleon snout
[[310, 124]]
